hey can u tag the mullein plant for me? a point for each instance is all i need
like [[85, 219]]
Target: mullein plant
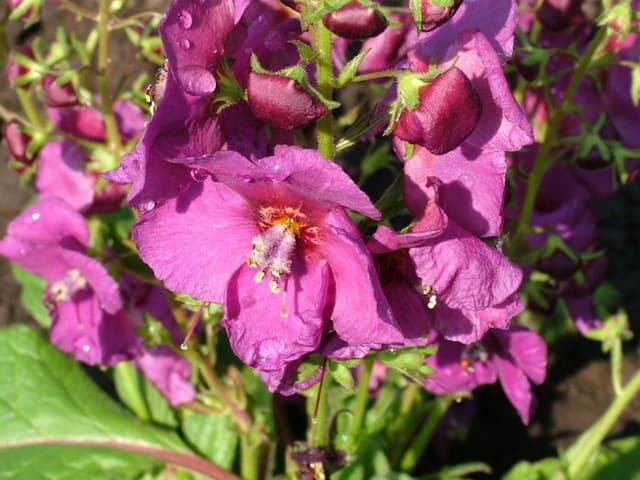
[[224, 250]]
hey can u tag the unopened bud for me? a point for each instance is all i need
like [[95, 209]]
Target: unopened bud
[[282, 102], [448, 112], [434, 15], [56, 95], [17, 141], [13, 68], [560, 14], [355, 21]]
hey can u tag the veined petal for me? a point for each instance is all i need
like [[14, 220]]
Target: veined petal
[[195, 242], [270, 330], [361, 314], [465, 272]]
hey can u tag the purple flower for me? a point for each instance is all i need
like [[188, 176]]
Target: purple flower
[[517, 357], [270, 240], [89, 320]]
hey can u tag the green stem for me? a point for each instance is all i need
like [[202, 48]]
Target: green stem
[[320, 417], [323, 45], [29, 108], [583, 450], [113, 135], [543, 160], [365, 77], [616, 366], [249, 459], [362, 396], [241, 416], [404, 424], [420, 444]]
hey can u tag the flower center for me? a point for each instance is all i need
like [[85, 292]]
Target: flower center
[[272, 250], [72, 282]]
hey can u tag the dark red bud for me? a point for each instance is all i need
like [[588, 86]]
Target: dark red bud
[[56, 95], [433, 15], [560, 14], [293, 5], [558, 265], [355, 22], [282, 102], [17, 141], [15, 70], [448, 112]]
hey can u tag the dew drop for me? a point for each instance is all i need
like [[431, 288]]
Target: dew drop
[[246, 178], [86, 348], [467, 179], [185, 44], [184, 347], [146, 206], [197, 80], [314, 421], [35, 216], [185, 20], [199, 174]]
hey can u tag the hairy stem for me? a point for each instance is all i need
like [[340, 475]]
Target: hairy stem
[[113, 135], [241, 416], [323, 45], [319, 436]]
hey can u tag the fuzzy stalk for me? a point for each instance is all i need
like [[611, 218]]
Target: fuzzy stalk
[[323, 45], [360, 410]]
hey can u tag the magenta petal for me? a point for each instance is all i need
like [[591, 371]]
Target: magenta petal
[[270, 330], [313, 177], [503, 125], [83, 122], [80, 328], [496, 19], [195, 242], [193, 35], [468, 326], [583, 313], [61, 173], [386, 240], [129, 117], [169, 373], [528, 350], [105, 287], [451, 376], [364, 318], [470, 190], [465, 272], [516, 386]]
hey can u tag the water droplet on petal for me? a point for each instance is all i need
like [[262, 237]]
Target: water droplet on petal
[[35, 216], [199, 174], [184, 346], [185, 44], [185, 19], [246, 178], [467, 179], [146, 206]]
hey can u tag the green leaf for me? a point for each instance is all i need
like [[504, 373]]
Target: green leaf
[[33, 289], [351, 69], [214, 436], [618, 459], [57, 424], [342, 375]]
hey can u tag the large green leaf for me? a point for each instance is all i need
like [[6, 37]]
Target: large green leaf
[[33, 289], [57, 424]]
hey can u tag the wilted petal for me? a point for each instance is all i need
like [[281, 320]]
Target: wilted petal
[[465, 272]]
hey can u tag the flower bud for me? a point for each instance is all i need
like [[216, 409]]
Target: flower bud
[[282, 102], [17, 141], [56, 95], [29, 15], [448, 112], [560, 14], [434, 15], [355, 21], [558, 265], [13, 68]]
